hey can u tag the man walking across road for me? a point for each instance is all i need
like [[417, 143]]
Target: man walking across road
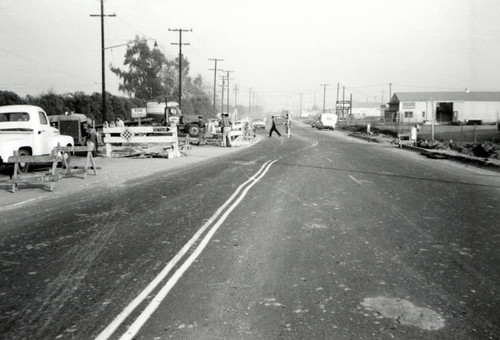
[[273, 127]]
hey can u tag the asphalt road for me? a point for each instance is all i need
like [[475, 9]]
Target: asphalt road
[[315, 237]]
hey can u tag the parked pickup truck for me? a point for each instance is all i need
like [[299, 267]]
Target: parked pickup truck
[[26, 129]]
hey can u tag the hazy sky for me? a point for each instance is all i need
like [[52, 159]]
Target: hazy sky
[[280, 48]]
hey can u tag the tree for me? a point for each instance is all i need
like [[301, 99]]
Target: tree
[[52, 103], [10, 98], [147, 70], [196, 100]]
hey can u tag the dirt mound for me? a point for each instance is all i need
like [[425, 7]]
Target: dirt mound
[[483, 150]]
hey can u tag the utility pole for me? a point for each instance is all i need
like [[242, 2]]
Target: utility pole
[[249, 101], [228, 90], [103, 60], [215, 77], [324, 95], [390, 91], [300, 112], [223, 86], [236, 90], [343, 101], [180, 30], [254, 101], [350, 106], [337, 102]]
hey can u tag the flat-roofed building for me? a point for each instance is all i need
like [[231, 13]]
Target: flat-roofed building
[[444, 107]]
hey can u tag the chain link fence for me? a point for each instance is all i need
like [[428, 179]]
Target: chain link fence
[[460, 134]]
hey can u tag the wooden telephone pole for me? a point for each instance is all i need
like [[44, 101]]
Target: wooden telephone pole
[[180, 30], [103, 56]]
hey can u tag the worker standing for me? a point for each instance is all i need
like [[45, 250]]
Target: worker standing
[[413, 135], [288, 125], [203, 130], [226, 127]]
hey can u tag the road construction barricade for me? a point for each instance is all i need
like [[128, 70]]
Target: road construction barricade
[[403, 137], [235, 137], [46, 178], [410, 136], [142, 135], [185, 145], [64, 151], [59, 154]]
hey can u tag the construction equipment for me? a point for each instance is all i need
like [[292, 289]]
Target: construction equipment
[[170, 113], [78, 126]]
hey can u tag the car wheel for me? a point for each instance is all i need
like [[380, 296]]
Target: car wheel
[[23, 167], [193, 130]]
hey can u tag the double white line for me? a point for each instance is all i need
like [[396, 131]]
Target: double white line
[[236, 198]]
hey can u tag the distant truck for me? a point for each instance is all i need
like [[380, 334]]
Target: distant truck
[[170, 113], [327, 121], [78, 126], [26, 129]]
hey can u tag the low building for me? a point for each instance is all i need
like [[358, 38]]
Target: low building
[[363, 110], [444, 107]]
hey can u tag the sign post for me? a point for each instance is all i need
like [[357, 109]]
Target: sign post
[[139, 113]]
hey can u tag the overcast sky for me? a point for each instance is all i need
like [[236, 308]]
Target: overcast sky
[[280, 48]]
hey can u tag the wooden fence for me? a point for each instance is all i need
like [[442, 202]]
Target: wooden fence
[[141, 135]]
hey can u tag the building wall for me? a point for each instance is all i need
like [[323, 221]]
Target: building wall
[[414, 112], [488, 112], [364, 112], [421, 111]]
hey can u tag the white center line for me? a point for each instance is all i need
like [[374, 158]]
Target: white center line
[[146, 314], [355, 180]]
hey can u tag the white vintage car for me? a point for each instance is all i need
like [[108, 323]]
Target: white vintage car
[[26, 129]]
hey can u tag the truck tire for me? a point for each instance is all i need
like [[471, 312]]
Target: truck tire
[[193, 130], [23, 167]]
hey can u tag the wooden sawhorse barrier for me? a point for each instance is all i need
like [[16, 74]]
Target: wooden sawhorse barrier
[[90, 159], [53, 176], [18, 177]]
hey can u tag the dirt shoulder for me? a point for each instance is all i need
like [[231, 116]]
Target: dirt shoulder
[[438, 150], [110, 173]]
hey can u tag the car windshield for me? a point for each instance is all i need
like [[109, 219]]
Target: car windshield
[[14, 117]]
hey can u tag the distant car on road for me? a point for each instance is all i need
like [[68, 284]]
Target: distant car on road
[[258, 123], [315, 122], [237, 126]]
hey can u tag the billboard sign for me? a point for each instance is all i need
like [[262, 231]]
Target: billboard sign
[[343, 105]]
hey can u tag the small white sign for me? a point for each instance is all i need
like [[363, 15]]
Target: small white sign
[[138, 113]]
